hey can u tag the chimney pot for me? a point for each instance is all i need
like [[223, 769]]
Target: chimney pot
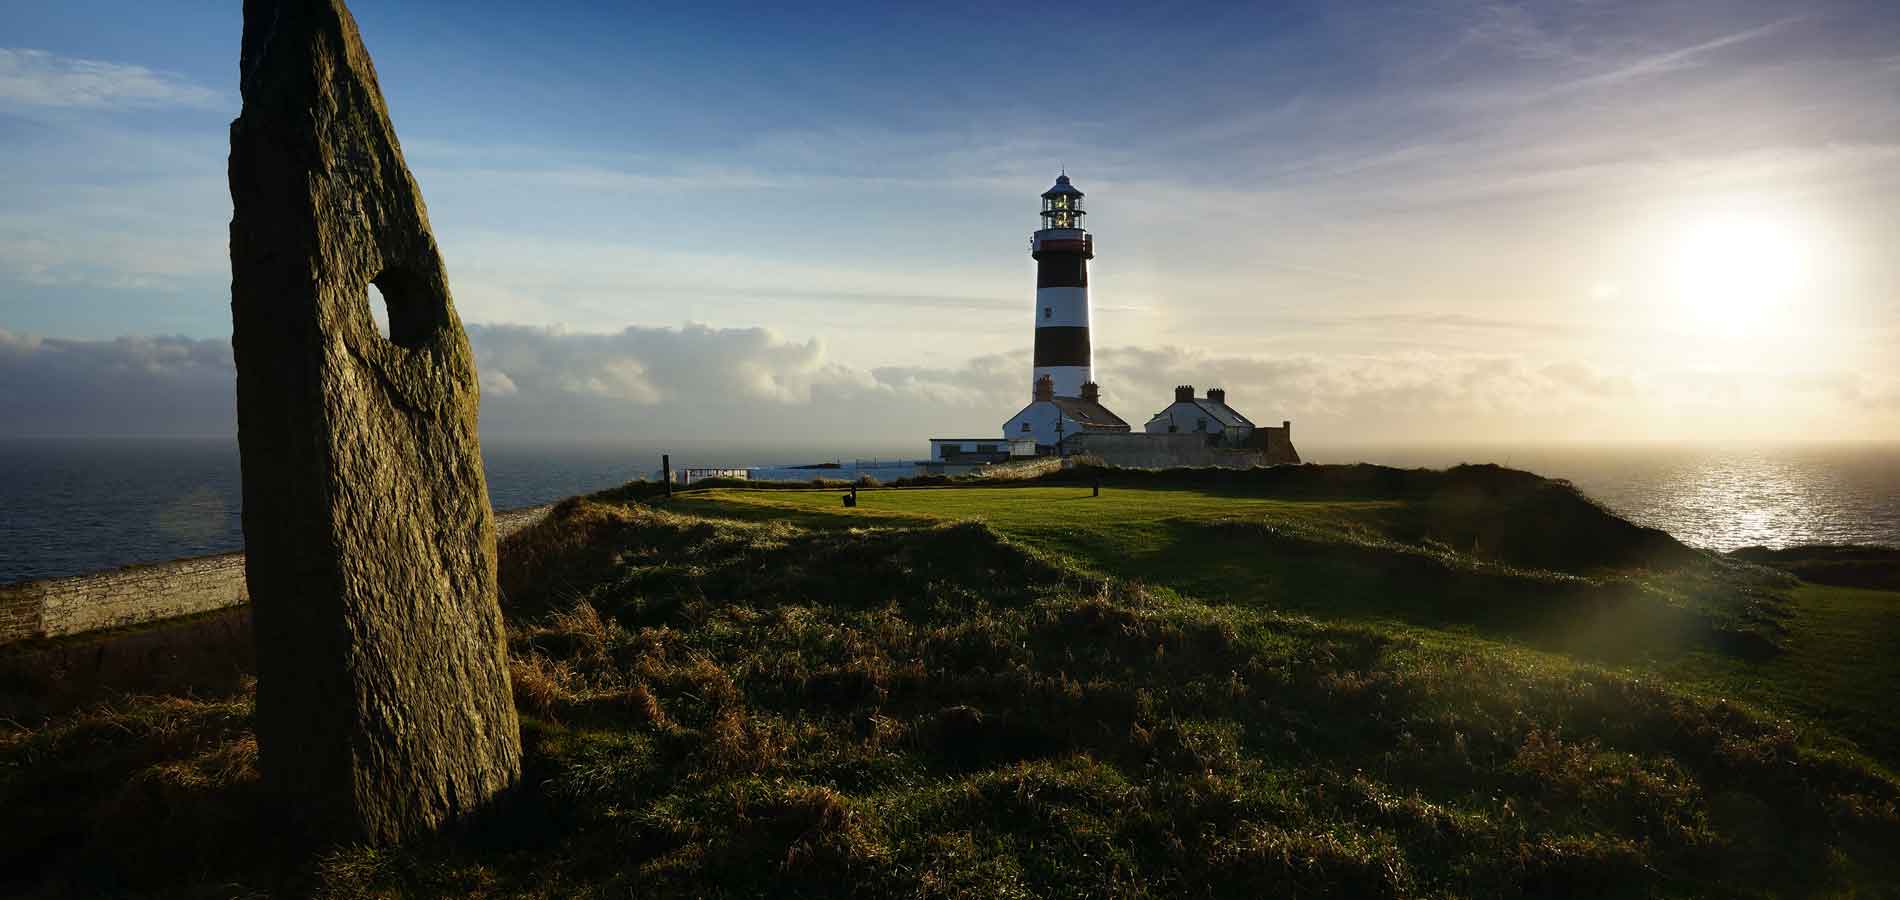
[[1184, 393], [1045, 388], [1217, 395], [1092, 392]]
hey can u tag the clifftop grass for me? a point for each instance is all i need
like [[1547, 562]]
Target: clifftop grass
[[785, 700]]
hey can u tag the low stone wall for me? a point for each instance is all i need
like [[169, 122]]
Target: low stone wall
[[60, 607], [139, 594], [1162, 451], [20, 610]]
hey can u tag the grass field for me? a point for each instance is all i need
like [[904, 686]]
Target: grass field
[[1028, 691], [1837, 668], [1148, 533]]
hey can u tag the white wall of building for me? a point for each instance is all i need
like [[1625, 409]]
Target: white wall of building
[[940, 448], [1040, 418]]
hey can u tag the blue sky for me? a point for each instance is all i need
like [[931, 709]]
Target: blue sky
[[1419, 221]]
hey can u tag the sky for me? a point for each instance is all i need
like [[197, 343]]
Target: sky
[[1426, 222]]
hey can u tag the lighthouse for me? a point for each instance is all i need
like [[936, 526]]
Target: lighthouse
[[1062, 249], [1065, 415], [1064, 399]]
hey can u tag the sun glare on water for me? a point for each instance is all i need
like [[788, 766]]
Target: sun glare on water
[[1737, 276]]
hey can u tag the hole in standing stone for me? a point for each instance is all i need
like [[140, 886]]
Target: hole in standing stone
[[379, 310], [411, 311]]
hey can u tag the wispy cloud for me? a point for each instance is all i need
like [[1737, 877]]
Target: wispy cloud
[[36, 78], [1678, 58]]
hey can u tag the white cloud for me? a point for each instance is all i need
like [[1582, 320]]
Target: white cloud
[[36, 78], [496, 383]]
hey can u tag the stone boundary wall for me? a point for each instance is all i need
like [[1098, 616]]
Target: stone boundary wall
[[20, 610], [135, 595], [1160, 451], [1276, 442]]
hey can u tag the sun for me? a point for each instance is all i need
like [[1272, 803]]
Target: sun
[[1736, 276]]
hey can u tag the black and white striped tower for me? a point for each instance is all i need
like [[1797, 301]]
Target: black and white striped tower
[[1062, 250]]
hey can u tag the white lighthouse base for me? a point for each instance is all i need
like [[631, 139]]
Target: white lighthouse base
[[1068, 379]]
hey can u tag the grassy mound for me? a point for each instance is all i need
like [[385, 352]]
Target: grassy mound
[[1503, 552], [1488, 511], [1605, 614], [729, 708], [1845, 565]]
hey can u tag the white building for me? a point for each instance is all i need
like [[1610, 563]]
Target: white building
[[1207, 415], [978, 450], [1048, 419]]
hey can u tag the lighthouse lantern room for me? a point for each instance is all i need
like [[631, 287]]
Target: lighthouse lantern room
[[1062, 206]]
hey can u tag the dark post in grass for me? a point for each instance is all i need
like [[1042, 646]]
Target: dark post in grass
[[666, 472], [1098, 485]]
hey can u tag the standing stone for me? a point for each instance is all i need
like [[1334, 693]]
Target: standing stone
[[383, 702]]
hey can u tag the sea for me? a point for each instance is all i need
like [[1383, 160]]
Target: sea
[[70, 506]]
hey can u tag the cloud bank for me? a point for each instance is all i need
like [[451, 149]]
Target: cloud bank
[[128, 385], [752, 385]]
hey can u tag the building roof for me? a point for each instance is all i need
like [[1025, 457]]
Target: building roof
[[1226, 416], [1092, 414], [1222, 413]]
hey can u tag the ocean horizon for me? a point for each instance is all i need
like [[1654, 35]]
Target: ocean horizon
[[76, 505]]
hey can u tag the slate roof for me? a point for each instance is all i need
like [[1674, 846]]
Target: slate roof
[[1093, 415], [1222, 413]]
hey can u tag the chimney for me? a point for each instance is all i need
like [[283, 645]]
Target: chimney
[[1184, 393], [1217, 395], [1286, 425], [1045, 388], [1092, 392]]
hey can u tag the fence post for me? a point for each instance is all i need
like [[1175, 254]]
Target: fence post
[[666, 472]]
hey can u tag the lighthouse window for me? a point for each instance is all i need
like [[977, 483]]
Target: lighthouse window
[[1046, 311]]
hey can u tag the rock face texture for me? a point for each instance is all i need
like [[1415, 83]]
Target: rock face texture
[[383, 702]]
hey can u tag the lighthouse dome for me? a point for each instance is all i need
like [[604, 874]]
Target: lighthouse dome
[[1062, 188]]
